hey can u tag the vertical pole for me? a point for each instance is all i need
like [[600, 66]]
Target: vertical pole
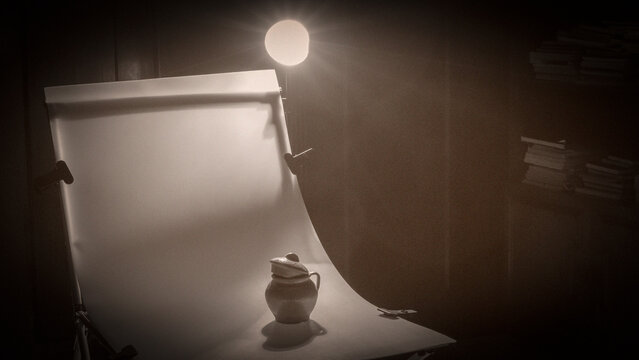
[[77, 305]]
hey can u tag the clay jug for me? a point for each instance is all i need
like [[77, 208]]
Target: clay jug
[[291, 295]]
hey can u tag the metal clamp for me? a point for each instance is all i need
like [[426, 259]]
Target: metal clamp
[[61, 172], [396, 313], [295, 162]]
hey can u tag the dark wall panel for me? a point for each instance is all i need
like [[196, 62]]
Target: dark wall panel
[[133, 41], [398, 106], [16, 262], [64, 45], [478, 151]]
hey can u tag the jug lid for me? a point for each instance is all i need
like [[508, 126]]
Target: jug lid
[[288, 266]]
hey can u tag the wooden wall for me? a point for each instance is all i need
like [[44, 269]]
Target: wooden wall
[[414, 114]]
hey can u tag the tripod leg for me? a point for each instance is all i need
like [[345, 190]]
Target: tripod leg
[[128, 352], [81, 339]]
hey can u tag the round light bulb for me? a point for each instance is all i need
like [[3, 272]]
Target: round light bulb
[[287, 42]]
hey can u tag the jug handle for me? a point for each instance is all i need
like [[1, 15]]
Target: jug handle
[[317, 284]]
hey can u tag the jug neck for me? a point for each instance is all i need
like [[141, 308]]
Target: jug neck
[[290, 280]]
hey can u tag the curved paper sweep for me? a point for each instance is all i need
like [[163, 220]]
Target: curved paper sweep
[[181, 197]]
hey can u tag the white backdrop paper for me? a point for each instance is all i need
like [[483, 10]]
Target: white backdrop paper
[[181, 197]]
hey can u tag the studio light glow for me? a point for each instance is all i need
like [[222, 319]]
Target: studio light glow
[[287, 42]]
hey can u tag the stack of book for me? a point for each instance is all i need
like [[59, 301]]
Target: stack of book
[[611, 178], [628, 37], [604, 68], [589, 36], [555, 60], [603, 55], [551, 165]]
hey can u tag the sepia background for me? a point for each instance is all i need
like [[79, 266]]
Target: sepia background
[[414, 112]]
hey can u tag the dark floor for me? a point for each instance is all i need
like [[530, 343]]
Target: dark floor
[[548, 344], [538, 346]]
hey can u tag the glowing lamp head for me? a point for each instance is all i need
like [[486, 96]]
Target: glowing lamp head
[[287, 42]]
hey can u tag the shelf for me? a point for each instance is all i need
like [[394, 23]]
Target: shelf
[[528, 194]]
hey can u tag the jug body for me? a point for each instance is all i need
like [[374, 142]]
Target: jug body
[[291, 300]]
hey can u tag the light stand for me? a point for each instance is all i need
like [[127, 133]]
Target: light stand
[[287, 43]]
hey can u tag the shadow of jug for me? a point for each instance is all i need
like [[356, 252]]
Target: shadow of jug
[[281, 336]]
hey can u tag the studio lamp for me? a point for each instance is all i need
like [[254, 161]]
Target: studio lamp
[[287, 42]]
